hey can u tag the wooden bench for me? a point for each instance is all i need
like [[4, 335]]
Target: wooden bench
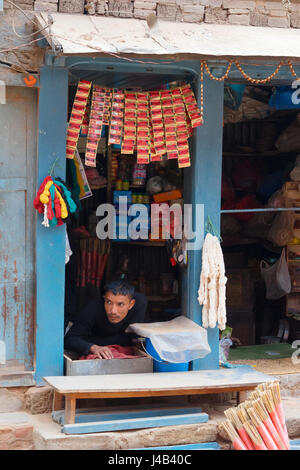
[[72, 388]]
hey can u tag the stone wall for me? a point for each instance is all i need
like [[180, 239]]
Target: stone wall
[[274, 14]]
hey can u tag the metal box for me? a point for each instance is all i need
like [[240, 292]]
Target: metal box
[[140, 364]]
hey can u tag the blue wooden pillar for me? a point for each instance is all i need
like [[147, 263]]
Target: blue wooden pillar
[[50, 242], [203, 186]]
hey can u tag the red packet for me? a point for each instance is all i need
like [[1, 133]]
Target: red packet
[[76, 118], [107, 106], [95, 125], [156, 113], [130, 119], [169, 117], [143, 129], [191, 106], [117, 116]]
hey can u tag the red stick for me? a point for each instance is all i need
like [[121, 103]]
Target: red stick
[[238, 445], [246, 439], [260, 446], [270, 444], [280, 412], [278, 427], [272, 430]]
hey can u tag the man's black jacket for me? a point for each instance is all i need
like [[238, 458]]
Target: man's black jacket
[[92, 326]]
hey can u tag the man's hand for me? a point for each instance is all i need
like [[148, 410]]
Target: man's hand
[[103, 352]]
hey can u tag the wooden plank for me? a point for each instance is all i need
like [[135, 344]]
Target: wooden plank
[[58, 415], [161, 393], [126, 414], [12, 78], [169, 382], [17, 379], [198, 446], [241, 396], [135, 423], [58, 401], [70, 408]]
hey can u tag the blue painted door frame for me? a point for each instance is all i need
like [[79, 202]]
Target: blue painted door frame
[[203, 186], [50, 242]]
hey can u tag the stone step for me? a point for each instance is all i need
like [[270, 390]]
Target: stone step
[[21, 430], [16, 431], [48, 436], [291, 408], [289, 384]]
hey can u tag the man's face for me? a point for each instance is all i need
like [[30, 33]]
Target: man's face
[[117, 306]]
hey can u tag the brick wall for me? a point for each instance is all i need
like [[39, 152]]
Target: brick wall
[[275, 14]]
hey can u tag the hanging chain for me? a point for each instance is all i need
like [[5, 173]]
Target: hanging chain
[[201, 89], [247, 77], [289, 62], [255, 80], [218, 79]]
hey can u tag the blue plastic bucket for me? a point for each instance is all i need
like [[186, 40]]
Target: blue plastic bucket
[[160, 365]]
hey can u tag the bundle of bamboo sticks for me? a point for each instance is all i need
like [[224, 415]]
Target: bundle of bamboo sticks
[[259, 422]]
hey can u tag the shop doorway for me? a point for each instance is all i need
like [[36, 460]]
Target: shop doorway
[[259, 172], [152, 265]]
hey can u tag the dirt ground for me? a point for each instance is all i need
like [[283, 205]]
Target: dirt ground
[[271, 366]]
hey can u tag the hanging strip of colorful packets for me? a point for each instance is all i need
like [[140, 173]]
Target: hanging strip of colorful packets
[[117, 118], [95, 125], [151, 124], [77, 115], [54, 199]]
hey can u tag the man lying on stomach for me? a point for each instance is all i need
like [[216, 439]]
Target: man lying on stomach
[[103, 321]]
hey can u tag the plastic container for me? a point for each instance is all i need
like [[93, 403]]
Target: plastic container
[[162, 366]]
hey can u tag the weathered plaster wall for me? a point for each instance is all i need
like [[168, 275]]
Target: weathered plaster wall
[[275, 14]]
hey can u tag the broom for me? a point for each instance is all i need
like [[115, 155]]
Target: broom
[[265, 418], [275, 389], [269, 404], [232, 415], [254, 395], [262, 387], [233, 435], [261, 428], [254, 435], [242, 413]]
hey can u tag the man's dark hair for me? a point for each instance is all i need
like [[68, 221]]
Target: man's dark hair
[[119, 287]]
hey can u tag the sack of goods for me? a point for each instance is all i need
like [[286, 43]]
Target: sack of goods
[[276, 277], [178, 340]]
